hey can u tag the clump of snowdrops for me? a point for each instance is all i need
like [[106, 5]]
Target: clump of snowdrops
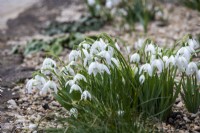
[[104, 91], [128, 11]]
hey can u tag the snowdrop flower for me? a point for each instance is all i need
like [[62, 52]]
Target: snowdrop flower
[[85, 95], [111, 3], [139, 43], [171, 61], [97, 47], [146, 68], [68, 70], [88, 57], [193, 43], [150, 49], [128, 48], [117, 46], [49, 85], [78, 77], [191, 68], [158, 63], [96, 67], [73, 56], [75, 87], [120, 112], [70, 83], [49, 62], [198, 75], [48, 66], [135, 58], [105, 54], [91, 2], [29, 85], [165, 58], [85, 45], [73, 112], [185, 52], [142, 79], [181, 63]]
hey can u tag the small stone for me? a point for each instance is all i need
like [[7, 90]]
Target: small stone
[[197, 128], [180, 104], [170, 121], [186, 119]]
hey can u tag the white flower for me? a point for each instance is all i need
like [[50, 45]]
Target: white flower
[[73, 56], [75, 87], [185, 52], [68, 70], [135, 69], [78, 77], [48, 66], [85, 45], [70, 82], [29, 85], [191, 68], [91, 2], [142, 79], [96, 67], [49, 85], [139, 43], [72, 63], [135, 58], [181, 63], [105, 54], [198, 76], [73, 112], [97, 47], [85, 95], [171, 61], [146, 68], [88, 57], [120, 112], [193, 43], [158, 63], [128, 48], [150, 49], [111, 3], [165, 58], [49, 62]]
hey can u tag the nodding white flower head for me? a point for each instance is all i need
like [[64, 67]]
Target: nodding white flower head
[[139, 44], [185, 52], [75, 87], [49, 85], [68, 70], [165, 58], [135, 58], [193, 43], [120, 112], [79, 77], [171, 61], [91, 2], [106, 55], [88, 57], [97, 47], [181, 63], [96, 67], [48, 66], [112, 3], [117, 46], [29, 85], [158, 63], [49, 62], [84, 45], [146, 68], [191, 68], [38, 83], [142, 79], [74, 55], [73, 112], [150, 48], [198, 76], [70, 82], [85, 95]]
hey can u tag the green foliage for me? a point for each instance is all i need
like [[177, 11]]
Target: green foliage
[[193, 4], [191, 93], [86, 23]]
